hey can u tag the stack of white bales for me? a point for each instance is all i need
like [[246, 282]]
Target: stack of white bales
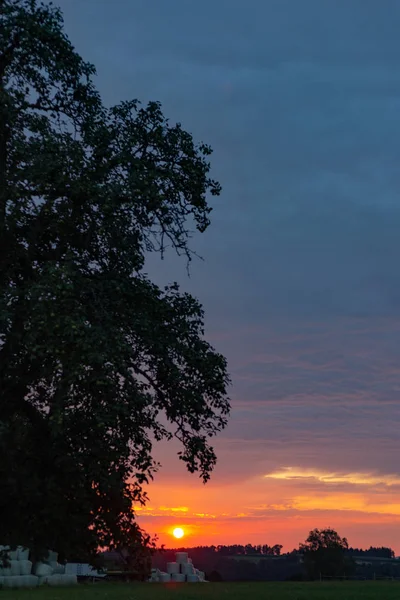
[[158, 576], [18, 572], [50, 572], [180, 571]]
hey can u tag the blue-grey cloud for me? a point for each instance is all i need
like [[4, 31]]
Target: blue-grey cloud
[[300, 101]]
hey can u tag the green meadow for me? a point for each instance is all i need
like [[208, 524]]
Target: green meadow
[[368, 590]]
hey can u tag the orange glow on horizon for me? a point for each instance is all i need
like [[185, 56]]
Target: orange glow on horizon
[[284, 465], [279, 507]]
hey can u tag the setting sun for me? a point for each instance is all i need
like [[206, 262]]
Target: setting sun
[[178, 532]]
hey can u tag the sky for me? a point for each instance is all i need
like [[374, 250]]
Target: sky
[[300, 283]]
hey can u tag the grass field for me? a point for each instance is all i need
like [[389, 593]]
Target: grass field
[[369, 590]]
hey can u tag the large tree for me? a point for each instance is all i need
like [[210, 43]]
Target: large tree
[[96, 361], [325, 554]]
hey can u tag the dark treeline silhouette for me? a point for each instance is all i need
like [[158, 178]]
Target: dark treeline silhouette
[[378, 552], [240, 549], [324, 554]]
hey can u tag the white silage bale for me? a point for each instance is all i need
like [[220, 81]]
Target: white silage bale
[[66, 579], [42, 580], [52, 556], [178, 577], [187, 569], [12, 582], [43, 570], [34, 581], [154, 574], [15, 568], [13, 554], [164, 577], [22, 553], [5, 571], [29, 581], [192, 578], [24, 580], [172, 567], [53, 580], [181, 557], [57, 568], [25, 567]]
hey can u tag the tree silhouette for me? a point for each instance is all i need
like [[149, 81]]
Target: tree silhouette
[[325, 554], [96, 361]]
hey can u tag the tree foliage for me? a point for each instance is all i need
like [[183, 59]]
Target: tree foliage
[[96, 361], [325, 554]]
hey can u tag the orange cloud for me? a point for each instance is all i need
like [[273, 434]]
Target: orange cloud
[[176, 509], [161, 511]]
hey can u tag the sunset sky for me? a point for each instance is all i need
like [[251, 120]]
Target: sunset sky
[[300, 100]]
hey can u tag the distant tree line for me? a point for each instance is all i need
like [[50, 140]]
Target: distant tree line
[[323, 554], [379, 552], [240, 549]]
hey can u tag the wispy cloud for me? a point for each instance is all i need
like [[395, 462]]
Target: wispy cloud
[[176, 509], [345, 502], [364, 479], [162, 511]]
